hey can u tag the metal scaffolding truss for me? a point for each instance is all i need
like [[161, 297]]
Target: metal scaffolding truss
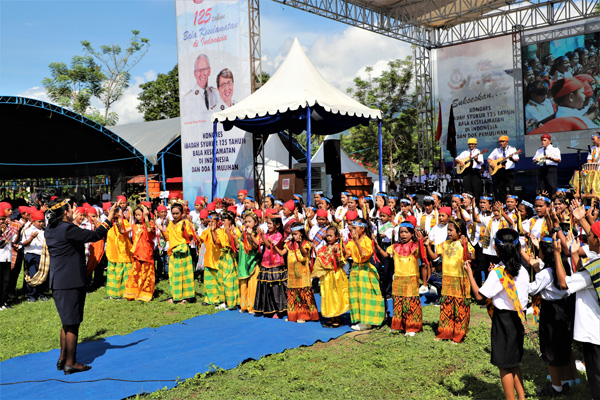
[[258, 141], [79, 118], [445, 22], [424, 103]]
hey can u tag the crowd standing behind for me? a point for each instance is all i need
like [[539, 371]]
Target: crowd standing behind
[[497, 250]]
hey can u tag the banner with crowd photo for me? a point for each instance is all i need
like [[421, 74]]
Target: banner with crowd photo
[[561, 86], [478, 80], [214, 73]]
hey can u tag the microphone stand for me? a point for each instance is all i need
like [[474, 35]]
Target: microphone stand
[[579, 163]]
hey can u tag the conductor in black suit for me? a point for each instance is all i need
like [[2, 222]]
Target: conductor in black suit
[[65, 242]]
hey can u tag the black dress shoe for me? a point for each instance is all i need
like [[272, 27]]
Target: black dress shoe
[[60, 364], [69, 369]]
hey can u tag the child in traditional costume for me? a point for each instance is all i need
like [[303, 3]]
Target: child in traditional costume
[[328, 267], [301, 304], [226, 240], [248, 259], [141, 281], [118, 254], [271, 298], [366, 302], [408, 315], [212, 294], [455, 311], [179, 233], [507, 287]]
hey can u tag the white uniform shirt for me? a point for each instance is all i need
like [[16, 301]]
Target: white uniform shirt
[[594, 155], [551, 152], [36, 245], [544, 284], [587, 309], [493, 229], [438, 234], [493, 289], [477, 161], [498, 153], [537, 111]]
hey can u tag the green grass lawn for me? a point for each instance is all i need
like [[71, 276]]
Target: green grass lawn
[[366, 365]]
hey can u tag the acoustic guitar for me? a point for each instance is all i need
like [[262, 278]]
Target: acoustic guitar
[[495, 165], [468, 161]]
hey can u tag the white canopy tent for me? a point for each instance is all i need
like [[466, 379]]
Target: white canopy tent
[[296, 98]]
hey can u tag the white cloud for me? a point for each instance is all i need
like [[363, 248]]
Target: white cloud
[[340, 57], [36, 92]]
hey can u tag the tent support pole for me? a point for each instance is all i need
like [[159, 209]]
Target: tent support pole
[[289, 149], [380, 160], [308, 156], [164, 177], [214, 162], [146, 177]]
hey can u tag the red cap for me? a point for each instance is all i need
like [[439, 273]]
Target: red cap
[[386, 210], [571, 85], [80, 210], [546, 136], [37, 216], [587, 81], [232, 209], [204, 213], [243, 191], [270, 211], [351, 215], [199, 200], [91, 210], [446, 210], [32, 210], [258, 213], [52, 198], [121, 198], [146, 204], [411, 219], [211, 206], [23, 209], [86, 204], [106, 206], [596, 228], [175, 195], [321, 213], [290, 205], [160, 208]]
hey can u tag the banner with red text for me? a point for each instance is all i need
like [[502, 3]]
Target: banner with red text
[[478, 79], [214, 74]]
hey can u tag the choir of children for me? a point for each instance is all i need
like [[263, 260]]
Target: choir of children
[[263, 259]]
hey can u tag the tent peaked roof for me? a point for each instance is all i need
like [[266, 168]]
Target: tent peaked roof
[[295, 86]]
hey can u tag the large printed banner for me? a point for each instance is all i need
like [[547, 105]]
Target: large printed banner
[[478, 79], [214, 73], [561, 87]]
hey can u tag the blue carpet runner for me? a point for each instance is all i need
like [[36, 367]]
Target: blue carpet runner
[[167, 354]]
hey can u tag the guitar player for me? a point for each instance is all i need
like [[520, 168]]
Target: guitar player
[[505, 177], [472, 174]]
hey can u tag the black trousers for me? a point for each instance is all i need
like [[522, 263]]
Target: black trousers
[[472, 182], [504, 183], [4, 281], [548, 179], [15, 272], [591, 355]]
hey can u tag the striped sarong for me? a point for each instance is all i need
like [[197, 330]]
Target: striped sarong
[[211, 287], [366, 302], [181, 273], [227, 279], [116, 278], [594, 269]]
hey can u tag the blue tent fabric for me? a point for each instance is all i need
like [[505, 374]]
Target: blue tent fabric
[[167, 354]]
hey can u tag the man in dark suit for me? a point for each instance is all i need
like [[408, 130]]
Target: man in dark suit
[[65, 242]]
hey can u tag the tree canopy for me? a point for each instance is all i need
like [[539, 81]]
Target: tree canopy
[[73, 86], [390, 93], [159, 99]]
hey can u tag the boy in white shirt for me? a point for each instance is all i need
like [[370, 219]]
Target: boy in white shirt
[[584, 284], [33, 242]]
